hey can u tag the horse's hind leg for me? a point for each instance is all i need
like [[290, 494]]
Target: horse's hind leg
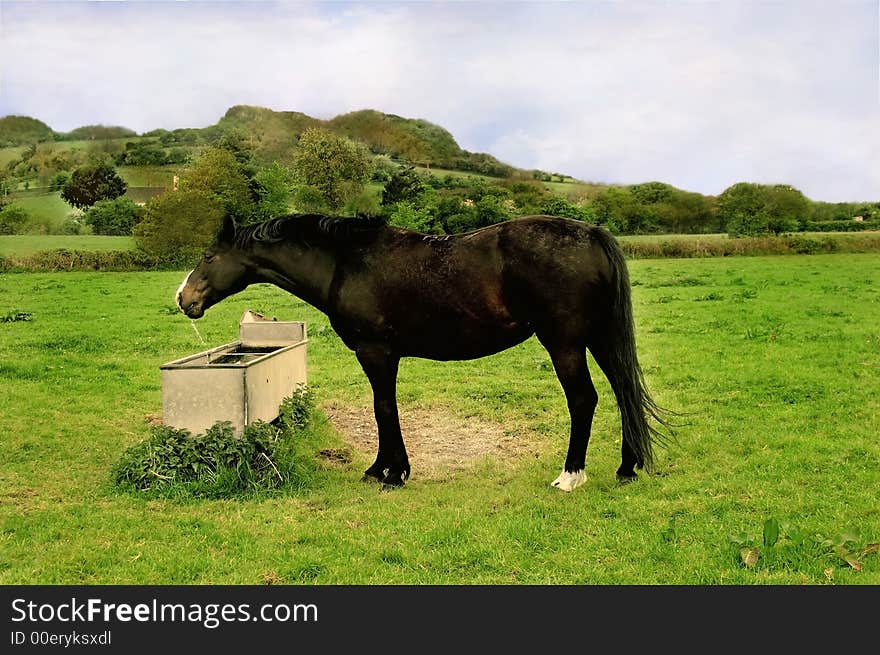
[[392, 464], [570, 363], [628, 459]]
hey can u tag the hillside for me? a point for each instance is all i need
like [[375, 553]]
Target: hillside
[[415, 140], [23, 130], [273, 136], [98, 132]]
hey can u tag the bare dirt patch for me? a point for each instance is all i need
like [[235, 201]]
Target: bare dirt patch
[[438, 442]]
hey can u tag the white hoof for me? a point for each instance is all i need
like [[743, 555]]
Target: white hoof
[[569, 481]]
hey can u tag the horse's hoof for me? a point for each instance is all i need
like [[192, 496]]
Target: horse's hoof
[[376, 473], [626, 478], [569, 481]]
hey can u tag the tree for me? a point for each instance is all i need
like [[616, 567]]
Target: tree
[[786, 208], [178, 226], [271, 185], [217, 174], [619, 211], [739, 207], [336, 167], [747, 209], [89, 184], [404, 184], [113, 217]]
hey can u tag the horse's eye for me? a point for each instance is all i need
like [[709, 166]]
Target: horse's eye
[[209, 259]]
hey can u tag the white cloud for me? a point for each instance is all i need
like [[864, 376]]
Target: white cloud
[[701, 95]]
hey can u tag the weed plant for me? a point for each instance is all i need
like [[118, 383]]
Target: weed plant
[[266, 458]]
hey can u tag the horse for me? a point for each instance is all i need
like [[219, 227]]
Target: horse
[[391, 293]]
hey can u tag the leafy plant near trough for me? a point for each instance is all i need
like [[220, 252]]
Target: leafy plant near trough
[[219, 464]]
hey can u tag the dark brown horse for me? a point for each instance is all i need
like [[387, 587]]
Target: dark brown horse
[[392, 293]]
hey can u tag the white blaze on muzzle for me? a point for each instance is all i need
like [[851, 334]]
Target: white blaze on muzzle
[[181, 288]]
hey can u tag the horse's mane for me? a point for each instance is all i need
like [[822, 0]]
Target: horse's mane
[[310, 227]]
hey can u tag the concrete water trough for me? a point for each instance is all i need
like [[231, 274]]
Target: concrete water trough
[[241, 382]]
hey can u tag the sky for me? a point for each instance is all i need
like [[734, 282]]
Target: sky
[[700, 95]]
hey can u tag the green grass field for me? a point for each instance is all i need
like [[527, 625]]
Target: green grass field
[[773, 361], [149, 176], [10, 154], [21, 245], [45, 208]]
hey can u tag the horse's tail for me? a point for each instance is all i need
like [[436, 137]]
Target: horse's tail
[[621, 365]]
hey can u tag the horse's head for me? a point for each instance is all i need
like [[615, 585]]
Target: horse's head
[[222, 272]]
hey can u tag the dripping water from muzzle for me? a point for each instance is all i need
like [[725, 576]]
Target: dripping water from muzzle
[[198, 334]]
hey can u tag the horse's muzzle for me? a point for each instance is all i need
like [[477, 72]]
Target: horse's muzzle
[[192, 309]]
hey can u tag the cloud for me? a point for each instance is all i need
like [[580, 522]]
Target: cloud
[[701, 95]]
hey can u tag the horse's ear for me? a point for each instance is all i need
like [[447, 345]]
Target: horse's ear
[[227, 230]]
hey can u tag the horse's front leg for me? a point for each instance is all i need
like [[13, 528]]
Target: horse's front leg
[[392, 464]]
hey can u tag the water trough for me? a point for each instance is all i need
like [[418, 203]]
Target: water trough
[[241, 382]]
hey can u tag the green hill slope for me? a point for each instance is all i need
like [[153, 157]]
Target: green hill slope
[[273, 136], [97, 132], [23, 130]]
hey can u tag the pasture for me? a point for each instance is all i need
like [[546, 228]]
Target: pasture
[[46, 209], [773, 361], [22, 245]]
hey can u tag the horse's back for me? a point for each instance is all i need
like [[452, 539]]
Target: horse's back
[[556, 271]]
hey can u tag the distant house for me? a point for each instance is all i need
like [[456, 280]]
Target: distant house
[[860, 219]]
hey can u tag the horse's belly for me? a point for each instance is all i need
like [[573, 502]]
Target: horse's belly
[[456, 342]]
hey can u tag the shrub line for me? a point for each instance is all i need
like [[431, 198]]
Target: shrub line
[[790, 244]]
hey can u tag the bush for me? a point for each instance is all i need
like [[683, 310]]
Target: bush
[[74, 224], [87, 260], [113, 217], [765, 245], [308, 200], [406, 215], [13, 219], [403, 185], [145, 153], [841, 226], [178, 226], [562, 207], [59, 180], [363, 204], [220, 464]]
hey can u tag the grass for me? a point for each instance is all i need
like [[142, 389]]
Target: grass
[[10, 154], [773, 360], [149, 176], [46, 208], [570, 188], [21, 245]]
